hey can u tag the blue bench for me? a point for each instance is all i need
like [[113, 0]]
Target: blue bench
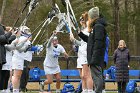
[[75, 73], [64, 73]]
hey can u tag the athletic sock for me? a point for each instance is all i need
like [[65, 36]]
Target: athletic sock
[[8, 90], [90, 91], [15, 90], [103, 91], [42, 86], [57, 90], [2, 91], [85, 91]]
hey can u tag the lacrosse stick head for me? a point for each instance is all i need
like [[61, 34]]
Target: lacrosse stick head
[[58, 9], [63, 2], [27, 2], [53, 12], [33, 4]]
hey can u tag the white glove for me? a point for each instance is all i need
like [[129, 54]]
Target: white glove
[[39, 49]]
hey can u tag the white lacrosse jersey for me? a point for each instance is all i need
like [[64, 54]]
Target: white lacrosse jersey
[[52, 54], [23, 55], [83, 47]]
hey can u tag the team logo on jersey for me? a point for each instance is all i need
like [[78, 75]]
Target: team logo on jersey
[[56, 53], [19, 66]]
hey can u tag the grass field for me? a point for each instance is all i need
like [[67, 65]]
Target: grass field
[[35, 86], [54, 92]]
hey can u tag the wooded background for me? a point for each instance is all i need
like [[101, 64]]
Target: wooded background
[[123, 17]]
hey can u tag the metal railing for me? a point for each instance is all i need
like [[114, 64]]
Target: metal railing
[[35, 58]]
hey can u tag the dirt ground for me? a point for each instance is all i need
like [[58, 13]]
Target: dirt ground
[[35, 86]]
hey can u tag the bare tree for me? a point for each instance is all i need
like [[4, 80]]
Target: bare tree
[[130, 15], [116, 22], [112, 34], [138, 27], [126, 18], [138, 4], [2, 9]]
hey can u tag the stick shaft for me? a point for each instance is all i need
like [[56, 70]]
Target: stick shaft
[[40, 30]]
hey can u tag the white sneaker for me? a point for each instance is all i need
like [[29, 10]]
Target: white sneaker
[[58, 91], [3, 91], [91, 92], [41, 86], [85, 91], [8, 91], [103, 91]]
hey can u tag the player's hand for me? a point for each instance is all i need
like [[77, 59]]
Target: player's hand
[[72, 37], [9, 29], [66, 55], [55, 32]]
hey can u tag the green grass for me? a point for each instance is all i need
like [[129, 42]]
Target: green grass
[[54, 92]]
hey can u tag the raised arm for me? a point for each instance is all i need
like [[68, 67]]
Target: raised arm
[[65, 55], [10, 47], [20, 43], [24, 48], [4, 38], [83, 36], [75, 41], [50, 41], [64, 52]]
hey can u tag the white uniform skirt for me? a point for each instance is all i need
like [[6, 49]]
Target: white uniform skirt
[[8, 65], [81, 61], [51, 70], [17, 63]]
